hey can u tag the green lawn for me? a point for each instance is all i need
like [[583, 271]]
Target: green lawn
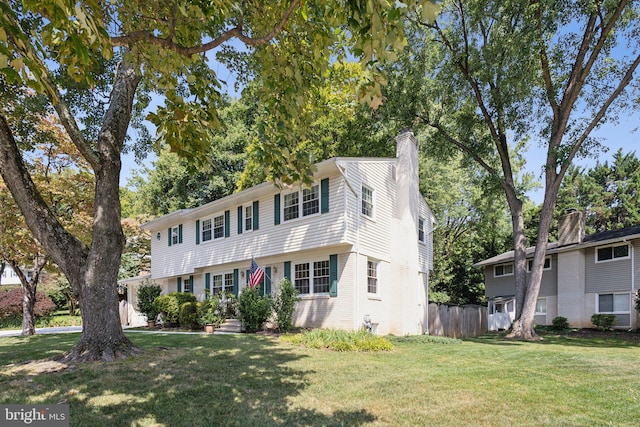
[[248, 380]]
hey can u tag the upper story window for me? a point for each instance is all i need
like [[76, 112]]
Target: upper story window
[[547, 264], [306, 202], [248, 218], [613, 252], [218, 227], [422, 234], [206, 230], [175, 235], [367, 201], [503, 270]]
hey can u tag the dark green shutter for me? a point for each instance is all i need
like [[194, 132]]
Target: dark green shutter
[[207, 283], [333, 275], [256, 221], [193, 286], [169, 234], [276, 209], [246, 282], [197, 232], [267, 280], [236, 282], [180, 233], [324, 195], [179, 284], [287, 270], [239, 219], [227, 223]]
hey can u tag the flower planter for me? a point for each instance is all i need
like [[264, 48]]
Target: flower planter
[[151, 323], [209, 329]]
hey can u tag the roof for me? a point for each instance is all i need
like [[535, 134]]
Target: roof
[[596, 239]]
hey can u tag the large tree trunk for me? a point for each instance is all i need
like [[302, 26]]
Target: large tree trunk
[[92, 272]]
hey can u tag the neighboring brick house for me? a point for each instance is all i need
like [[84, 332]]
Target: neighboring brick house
[[357, 244], [582, 275]]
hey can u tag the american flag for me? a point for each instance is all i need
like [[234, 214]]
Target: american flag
[[255, 274]]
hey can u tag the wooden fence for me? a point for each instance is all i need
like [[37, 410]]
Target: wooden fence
[[457, 321]]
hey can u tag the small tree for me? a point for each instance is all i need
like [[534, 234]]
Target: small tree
[[147, 294], [254, 309], [284, 304]]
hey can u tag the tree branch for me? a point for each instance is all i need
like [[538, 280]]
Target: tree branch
[[236, 32]]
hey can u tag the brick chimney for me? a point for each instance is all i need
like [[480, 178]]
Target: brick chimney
[[571, 227]]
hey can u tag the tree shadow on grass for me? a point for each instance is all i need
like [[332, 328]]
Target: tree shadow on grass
[[191, 380], [575, 338]]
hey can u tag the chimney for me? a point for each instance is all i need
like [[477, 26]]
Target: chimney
[[571, 227]]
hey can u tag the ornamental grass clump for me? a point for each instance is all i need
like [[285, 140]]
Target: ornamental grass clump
[[339, 340]]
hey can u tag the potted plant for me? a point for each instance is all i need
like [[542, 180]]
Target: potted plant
[[147, 294], [209, 316]]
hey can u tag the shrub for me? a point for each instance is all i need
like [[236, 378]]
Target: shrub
[[209, 313], [189, 315], [11, 304], [254, 310], [560, 324], [147, 294], [339, 340], [284, 304], [425, 339], [169, 305], [603, 322], [637, 300]]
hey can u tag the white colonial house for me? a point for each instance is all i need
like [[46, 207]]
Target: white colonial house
[[357, 244]]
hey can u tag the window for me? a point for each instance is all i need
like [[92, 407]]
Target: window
[[218, 227], [222, 283], [308, 205], [311, 200], [503, 270], [367, 201], [312, 280], [614, 303], [372, 277], [422, 235], [547, 264], [175, 236], [609, 253], [321, 277], [248, 218], [206, 230], [291, 206], [187, 286], [541, 306]]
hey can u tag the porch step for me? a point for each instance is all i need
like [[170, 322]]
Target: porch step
[[230, 326]]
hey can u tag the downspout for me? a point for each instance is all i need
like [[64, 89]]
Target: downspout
[[357, 247]]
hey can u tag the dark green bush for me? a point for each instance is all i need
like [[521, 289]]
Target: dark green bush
[[169, 305], [284, 305], [189, 315], [147, 294], [560, 324], [603, 322], [254, 310]]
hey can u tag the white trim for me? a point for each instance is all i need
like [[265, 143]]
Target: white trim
[[545, 260], [613, 258], [598, 311], [503, 265]]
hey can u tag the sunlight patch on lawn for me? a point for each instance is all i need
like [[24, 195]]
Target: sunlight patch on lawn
[[113, 399]]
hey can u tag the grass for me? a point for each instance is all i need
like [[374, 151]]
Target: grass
[[248, 380], [338, 340]]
